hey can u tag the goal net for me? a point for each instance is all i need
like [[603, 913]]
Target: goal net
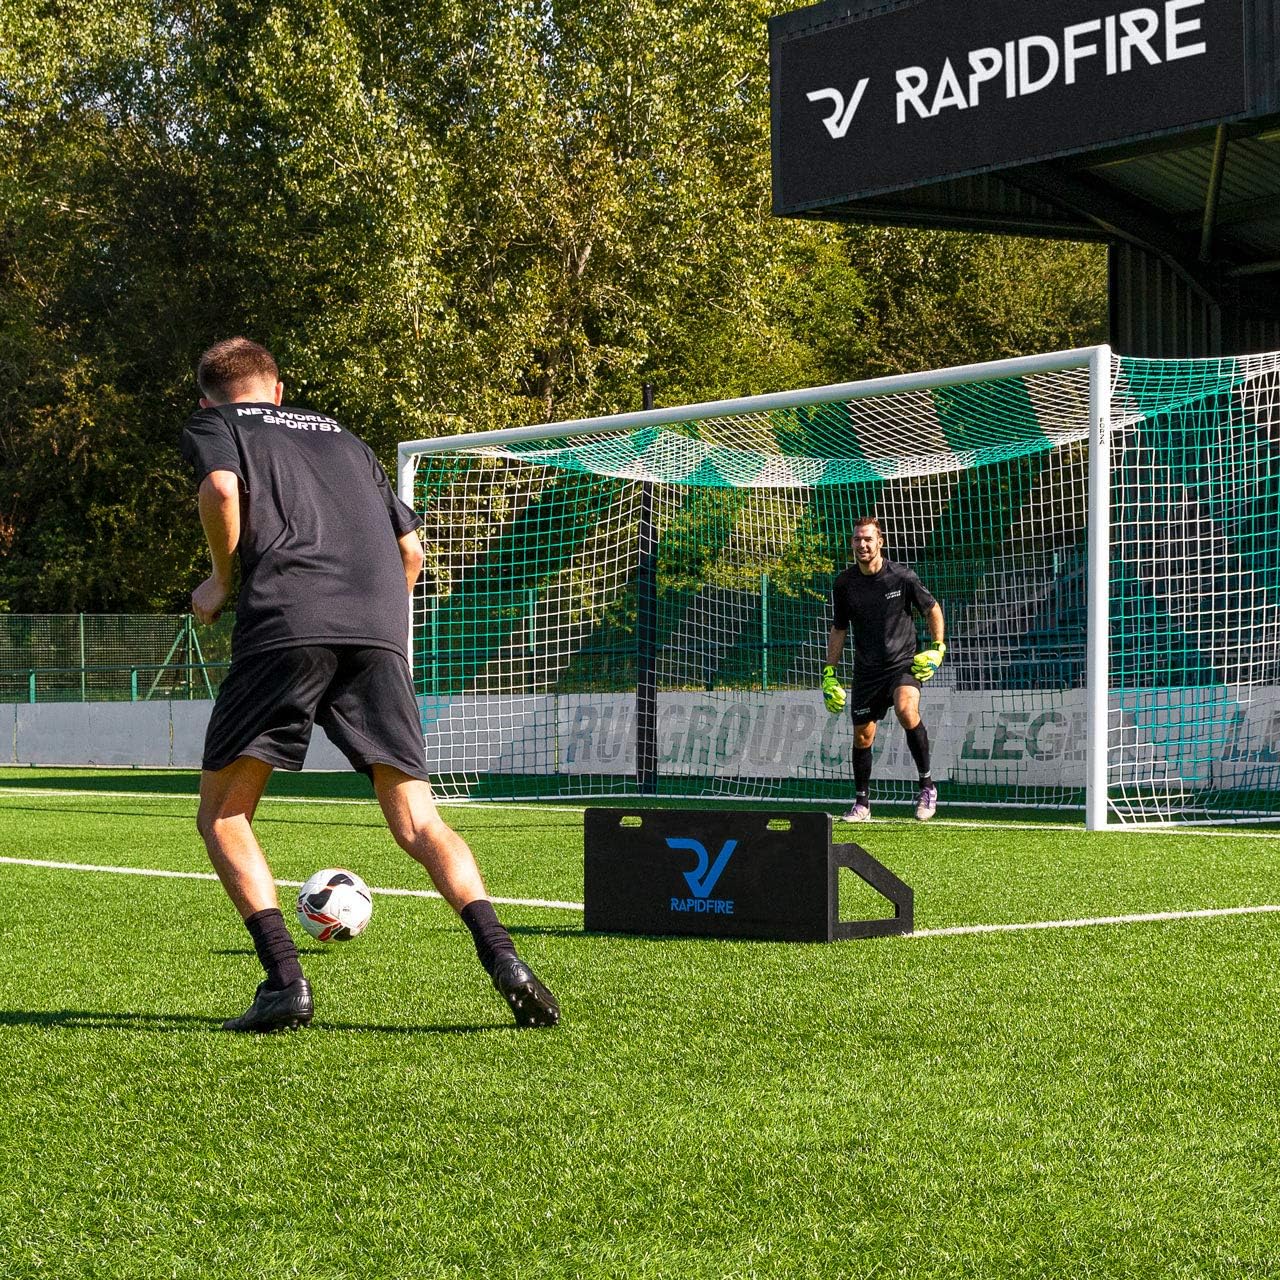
[[640, 604]]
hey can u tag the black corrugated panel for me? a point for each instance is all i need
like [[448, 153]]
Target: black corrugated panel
[[1261, 18], [1154, 312], [980, 202], [1256, 334], [1157, 313], [831, 12]]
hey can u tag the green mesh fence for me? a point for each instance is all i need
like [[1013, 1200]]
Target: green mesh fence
[[110, 658]]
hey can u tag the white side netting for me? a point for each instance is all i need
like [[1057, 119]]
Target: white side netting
[[1194, 724]]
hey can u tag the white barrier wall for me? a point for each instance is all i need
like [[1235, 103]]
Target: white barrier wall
[[745, 735], [1033, 739], [154, 734], [1211, 736]]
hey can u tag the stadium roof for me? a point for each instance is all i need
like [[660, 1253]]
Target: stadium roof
[[1155, 125]]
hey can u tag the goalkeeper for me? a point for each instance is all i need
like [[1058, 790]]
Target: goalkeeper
[[876, 596]]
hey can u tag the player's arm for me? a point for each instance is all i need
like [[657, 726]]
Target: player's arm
[[412, 557], [219, 502], [937, 626], [833, 695], [927, 661], [835, 646]]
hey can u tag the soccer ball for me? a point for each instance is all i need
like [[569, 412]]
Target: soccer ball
[[334, 905]]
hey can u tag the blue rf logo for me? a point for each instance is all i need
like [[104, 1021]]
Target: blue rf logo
[[702, 879]]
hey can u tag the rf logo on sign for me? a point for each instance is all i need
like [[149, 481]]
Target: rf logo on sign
[[702, 879]]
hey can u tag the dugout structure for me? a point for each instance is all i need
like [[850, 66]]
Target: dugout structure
[[1152, 127], [638, 604]]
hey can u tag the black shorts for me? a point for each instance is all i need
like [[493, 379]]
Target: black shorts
[[869, 701], [361, 697]]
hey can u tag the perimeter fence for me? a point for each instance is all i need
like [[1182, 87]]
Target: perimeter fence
[[90, 657]]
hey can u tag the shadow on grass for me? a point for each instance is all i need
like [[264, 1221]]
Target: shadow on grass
[[107, 1020], [546, 930], [249, 951], [539, 930]]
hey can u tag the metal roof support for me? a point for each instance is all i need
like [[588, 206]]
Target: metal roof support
[[1119, 217], [1211, 194], [1255, 268]]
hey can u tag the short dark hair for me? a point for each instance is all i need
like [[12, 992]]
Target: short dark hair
[[231, 363], [874, 520]]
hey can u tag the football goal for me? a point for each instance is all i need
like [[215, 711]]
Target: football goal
[[638, 604]]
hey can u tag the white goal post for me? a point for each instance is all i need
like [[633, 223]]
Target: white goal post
[[637, 604]]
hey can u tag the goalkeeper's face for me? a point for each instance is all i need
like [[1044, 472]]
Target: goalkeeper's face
[[867, 545]]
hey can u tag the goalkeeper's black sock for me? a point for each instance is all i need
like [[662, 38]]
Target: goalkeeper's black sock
[[918, 742], [275, 947], [491, 939], [862, 771]]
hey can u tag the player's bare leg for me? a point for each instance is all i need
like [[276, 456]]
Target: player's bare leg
[[228, 800], [906, 705], [412, 816]]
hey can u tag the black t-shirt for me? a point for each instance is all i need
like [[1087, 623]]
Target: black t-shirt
[[878, 606], [319, 528]]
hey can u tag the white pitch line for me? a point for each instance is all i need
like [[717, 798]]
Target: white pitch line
[[192, 798], [1153, 917], [1206, 830], [287, 884]]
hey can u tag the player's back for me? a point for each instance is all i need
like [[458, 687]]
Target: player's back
[[318, 544]]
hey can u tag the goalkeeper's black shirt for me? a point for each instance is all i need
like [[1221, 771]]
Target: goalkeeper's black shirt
[[319, 528], [878, 608]]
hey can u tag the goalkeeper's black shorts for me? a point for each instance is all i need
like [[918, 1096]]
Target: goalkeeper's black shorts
[[362, 697], [870, 699]]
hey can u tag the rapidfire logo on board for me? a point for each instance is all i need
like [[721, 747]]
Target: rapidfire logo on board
[[702, 879]]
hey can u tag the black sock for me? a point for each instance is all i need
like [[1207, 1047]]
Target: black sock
[[862, 771], [918, 742], [275, 947], [491, 939]]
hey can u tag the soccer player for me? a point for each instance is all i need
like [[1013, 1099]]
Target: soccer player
[[328, 559], [877, 596]]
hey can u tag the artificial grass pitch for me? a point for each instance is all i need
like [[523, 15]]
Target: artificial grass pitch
[[1098, 1101]]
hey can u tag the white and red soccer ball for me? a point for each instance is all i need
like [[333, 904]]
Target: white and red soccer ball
[[335, 905]]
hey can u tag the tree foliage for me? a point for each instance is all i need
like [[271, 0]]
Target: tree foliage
[[441, 216]]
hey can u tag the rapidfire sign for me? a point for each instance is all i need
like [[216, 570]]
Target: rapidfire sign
[[944, 87]]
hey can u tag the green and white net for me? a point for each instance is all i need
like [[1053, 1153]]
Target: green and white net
[[1194, 654], [646, 610]]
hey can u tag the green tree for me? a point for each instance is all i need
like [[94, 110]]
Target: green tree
[[937, 298], [442, 217], [91, 327]]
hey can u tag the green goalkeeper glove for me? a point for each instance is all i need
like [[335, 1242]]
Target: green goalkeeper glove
[[832, 694], [927, 661]]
